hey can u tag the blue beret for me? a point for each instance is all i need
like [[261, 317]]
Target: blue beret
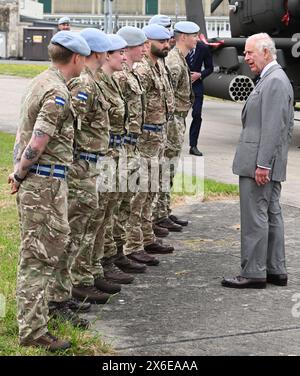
[[186, 27], [161, 19], [96, 39], [132, 35], [156, 32], [117, 42], [72, 41], [63, 20]]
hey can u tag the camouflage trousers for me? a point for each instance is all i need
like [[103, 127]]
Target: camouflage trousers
[[129, 176], [139, 231], [74, 267], [175, 140], [43, 213], [104, 244]]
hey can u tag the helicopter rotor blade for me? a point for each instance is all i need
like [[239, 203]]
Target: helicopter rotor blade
[[215, 4]]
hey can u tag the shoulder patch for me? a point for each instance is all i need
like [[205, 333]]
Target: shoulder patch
[[60, 101], [82, 96]]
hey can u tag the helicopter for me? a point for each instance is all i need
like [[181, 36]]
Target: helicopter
[[232, 78]]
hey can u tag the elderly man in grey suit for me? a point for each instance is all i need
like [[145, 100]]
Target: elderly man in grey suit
[[260, 161]]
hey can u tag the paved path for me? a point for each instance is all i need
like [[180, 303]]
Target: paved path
[[11, 92], [180, 308]]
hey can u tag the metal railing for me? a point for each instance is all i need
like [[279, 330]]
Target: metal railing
[[216, 26]]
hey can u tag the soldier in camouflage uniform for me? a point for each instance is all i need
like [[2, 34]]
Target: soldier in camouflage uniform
[[134, 95], [91, 145], [160, 199], [186, 35], [43, 151], [140, 236], [118, 115]]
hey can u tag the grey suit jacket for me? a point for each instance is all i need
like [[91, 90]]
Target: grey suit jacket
[[268, 120]]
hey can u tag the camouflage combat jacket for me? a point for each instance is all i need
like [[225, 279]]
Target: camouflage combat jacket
[[47, 107], [118, 110], [92, 130], [133, 93], [168, 87], [181, 80], [154, 80]]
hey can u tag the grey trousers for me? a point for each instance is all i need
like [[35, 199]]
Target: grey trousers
[[262, 229]]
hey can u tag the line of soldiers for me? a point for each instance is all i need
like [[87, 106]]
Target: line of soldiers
[[94, 130]]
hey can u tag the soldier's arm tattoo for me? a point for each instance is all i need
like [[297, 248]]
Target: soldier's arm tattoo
[[31, 153]]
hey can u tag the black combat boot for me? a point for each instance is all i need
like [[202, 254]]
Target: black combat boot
[[78, 306], [160, 232], [104, 285], [178, 221], [143, 258], [114, 274], [62, 312], [89, 294], [48, 342], [170, 225], [157, 248], [126, 265]]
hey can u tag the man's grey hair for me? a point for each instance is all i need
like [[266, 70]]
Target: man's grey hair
[[262, 41]]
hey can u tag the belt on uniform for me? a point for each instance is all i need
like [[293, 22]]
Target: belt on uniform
[[153, 127], [115, 140], [130, 139], [182, 114], [57, 171], [89, 157]]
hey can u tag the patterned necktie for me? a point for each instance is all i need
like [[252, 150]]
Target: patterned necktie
[[256, 80], [191, 55]]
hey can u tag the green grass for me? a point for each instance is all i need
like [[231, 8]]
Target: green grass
[[185, 185], [83, 343], [214, 189], [22, 70]]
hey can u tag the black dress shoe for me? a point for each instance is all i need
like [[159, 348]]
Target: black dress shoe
[[178, 221], [277, 279], [194, 151], [240, 282]]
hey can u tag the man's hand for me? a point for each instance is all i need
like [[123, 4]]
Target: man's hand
[[262, 176], [14, 185], [195, 76]]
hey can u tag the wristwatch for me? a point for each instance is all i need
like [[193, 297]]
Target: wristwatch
[[18, 179]]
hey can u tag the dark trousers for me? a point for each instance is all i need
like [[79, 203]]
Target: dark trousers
[[197, 120]]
